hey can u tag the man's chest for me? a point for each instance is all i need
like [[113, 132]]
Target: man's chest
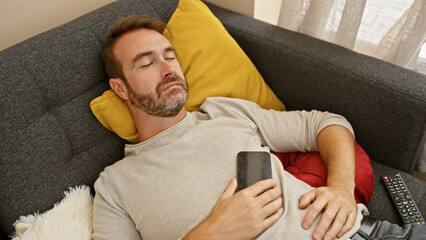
[[175, 186]]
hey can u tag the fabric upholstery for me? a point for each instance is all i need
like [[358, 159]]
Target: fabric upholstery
[[381, 206], [50, 140], [308, 73]]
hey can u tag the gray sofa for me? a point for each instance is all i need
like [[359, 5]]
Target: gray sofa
[[50, 140]]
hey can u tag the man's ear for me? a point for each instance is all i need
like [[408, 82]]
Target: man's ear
[[118, 86]]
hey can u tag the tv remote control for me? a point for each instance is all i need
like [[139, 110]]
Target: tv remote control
[[402, 199]]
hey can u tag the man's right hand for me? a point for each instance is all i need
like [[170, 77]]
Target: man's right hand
[[243, 215]]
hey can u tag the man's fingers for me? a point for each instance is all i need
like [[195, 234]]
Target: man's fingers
[[326, 219], [342, 224], [349, 224], [337, 225], [272, 207], [338, 208], [230, 189], [313, 211], [269, 196], [273, 218], [259, 187], [264, 185], [306, 199]]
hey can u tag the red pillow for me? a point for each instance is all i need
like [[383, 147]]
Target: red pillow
[[310, 168]]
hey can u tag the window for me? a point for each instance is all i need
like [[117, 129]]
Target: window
[[418, 63], [422, 55]]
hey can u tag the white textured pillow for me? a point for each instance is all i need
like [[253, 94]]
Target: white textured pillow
[[69, 219]]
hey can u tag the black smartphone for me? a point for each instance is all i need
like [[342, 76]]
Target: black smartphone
[[252, 167]]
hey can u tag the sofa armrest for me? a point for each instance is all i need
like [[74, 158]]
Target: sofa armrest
[[385, 103]]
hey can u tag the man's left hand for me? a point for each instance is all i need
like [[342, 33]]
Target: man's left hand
[[339, 211]]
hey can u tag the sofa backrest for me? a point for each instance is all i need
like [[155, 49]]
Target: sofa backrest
[[385, 103], [50, 140]]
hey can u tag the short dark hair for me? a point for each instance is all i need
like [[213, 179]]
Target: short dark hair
[[125, 25]]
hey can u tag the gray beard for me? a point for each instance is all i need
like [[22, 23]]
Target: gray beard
[[162, 104]]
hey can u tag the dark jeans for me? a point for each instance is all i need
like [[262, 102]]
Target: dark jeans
[[388, 231]]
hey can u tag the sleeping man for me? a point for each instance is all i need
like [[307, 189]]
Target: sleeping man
[[179, 181]]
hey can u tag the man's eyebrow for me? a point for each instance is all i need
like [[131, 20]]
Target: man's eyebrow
[[168, 49]]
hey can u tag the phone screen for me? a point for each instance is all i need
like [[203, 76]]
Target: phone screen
[[252, 167]]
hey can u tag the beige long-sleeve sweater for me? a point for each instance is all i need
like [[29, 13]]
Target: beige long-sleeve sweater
[[167, 185]]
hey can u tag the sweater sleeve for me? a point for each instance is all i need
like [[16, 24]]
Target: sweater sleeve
[[291, 131], [109, 220]]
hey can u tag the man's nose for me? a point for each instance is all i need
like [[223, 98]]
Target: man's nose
[[166, 68]]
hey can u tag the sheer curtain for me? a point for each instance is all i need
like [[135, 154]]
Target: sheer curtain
[[392, 30]]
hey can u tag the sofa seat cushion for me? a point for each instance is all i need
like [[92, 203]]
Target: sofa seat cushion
[[381, 205]]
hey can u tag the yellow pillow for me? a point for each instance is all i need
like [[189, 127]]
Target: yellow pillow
[[113, 113], [212, 62]]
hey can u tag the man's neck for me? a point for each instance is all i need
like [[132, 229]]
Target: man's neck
[[148, 125]]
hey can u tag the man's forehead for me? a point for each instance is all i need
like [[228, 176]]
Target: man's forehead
[[132, 43]]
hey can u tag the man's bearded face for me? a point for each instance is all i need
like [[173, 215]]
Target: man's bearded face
[[168, 99]]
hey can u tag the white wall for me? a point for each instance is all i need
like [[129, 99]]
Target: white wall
[[267, 10], [245, 7], [22, 19]]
